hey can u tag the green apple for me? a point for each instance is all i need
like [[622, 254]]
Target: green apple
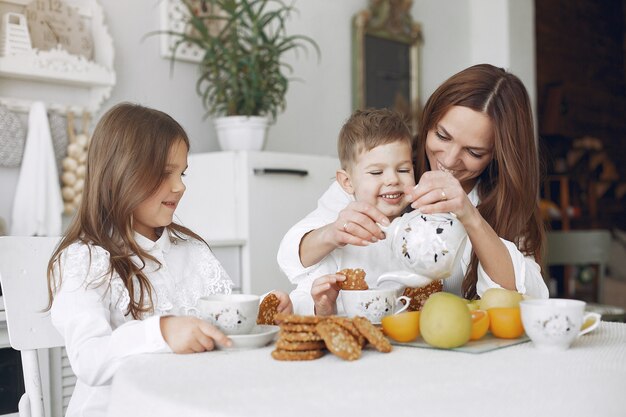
[[445, 321], [500, 297]]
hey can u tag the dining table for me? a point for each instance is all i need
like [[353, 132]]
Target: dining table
[[588, 379]]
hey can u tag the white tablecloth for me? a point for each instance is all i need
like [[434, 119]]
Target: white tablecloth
[[589, 379]]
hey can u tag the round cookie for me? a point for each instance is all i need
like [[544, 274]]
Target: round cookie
[[283, 344], [373, 334], [419, 296], [339, 340], [355, 279], [268, 309], [297, 319], [300, 336], [302, 355]]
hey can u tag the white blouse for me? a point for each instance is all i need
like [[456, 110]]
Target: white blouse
[[375, 259], [92, 318]]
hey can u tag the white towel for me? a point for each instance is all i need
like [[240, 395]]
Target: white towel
[[38, 206]]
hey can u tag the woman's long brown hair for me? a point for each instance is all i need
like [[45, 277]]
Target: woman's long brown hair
[[509, 185], [125, 165]]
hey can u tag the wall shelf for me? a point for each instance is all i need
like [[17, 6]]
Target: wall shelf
[[61, 80]]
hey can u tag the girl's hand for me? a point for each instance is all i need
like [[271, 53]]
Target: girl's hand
[[325, 292], [284, 305], [440, 192], [356, 225], [185, 334]]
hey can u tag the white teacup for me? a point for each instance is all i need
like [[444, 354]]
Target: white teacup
[[374, 304], [553, 324], [231, 313]]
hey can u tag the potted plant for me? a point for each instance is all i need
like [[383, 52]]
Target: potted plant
[[242, 76]]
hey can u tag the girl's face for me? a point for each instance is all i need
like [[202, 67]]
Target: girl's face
[[378, 177], [158, 210], [462, 144]]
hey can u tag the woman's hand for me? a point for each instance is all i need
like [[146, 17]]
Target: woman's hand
[[325, 292], [440, 192], [186, 334]]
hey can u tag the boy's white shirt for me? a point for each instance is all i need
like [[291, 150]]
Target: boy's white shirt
[[375, 258], [99, 335]]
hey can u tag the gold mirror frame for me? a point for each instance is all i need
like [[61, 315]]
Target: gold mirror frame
[[387, 28]]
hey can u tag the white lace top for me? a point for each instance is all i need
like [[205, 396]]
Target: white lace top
[[91, 317]]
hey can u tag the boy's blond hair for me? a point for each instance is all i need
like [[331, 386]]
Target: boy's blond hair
[[367, 129]]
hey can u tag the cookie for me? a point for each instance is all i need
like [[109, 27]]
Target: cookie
[[268, 309], [297, 319], [355, 279], [300, 336], [419, 296], [339, 341], [296, 355], [292, 327], [347, 324], [283, 344], [373, 334]]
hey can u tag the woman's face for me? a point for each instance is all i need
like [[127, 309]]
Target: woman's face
[[462, 144]]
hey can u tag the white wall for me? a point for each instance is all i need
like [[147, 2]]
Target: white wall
[[457, 33]]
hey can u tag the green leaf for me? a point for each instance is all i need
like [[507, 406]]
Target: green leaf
[[241, 71]]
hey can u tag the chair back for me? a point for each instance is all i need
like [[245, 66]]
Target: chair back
[[23, 268], [578, 247]]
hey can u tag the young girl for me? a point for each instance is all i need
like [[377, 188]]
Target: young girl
[[125, 279]]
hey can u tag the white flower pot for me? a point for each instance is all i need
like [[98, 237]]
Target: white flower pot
[[238, 133]]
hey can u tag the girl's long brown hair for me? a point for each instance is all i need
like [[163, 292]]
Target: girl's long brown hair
[[509, 185], [125, 165]]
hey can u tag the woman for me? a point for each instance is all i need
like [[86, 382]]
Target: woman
[[476, 157]]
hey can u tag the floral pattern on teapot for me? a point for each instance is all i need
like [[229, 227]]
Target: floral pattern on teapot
[[427, 244]]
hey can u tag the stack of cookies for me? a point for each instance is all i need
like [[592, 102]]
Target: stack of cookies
[[298, 339], [308, 337]]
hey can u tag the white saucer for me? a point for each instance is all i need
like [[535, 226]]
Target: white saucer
[[260, 336]]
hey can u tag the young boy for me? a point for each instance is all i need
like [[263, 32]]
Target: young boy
[[375, 151]]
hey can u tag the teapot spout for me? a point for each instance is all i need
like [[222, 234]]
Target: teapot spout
[[408, 279]]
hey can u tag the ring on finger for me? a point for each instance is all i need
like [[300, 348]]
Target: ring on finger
[[345, 227], [444, 197]]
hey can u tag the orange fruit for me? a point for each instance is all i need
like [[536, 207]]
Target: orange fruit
[[480, 324], [505, 322], [403, 327]]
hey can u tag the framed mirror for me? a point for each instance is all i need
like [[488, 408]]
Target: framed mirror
[[385, 64]]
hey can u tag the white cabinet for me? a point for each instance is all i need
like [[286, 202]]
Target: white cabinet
[[243, 203]]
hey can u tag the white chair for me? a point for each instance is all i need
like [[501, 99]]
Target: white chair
[[23, 266], [580, 247]]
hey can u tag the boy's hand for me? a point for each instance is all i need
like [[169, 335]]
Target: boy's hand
[[356, 224], [185, 334], [325, 292]]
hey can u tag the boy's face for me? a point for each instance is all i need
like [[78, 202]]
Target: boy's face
[[379, 176]]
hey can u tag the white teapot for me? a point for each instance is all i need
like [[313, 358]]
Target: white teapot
[[428, 246]]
